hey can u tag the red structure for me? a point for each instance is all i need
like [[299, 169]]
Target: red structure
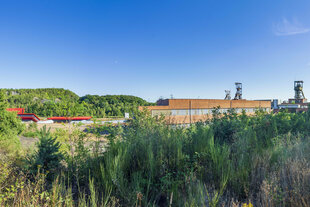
[[68, 119], [29, 117], [18, 110], [33, 117], [24, 116]]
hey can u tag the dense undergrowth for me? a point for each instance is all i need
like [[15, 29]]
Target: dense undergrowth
[[231, 160]]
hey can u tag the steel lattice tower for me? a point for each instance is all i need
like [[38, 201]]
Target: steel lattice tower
[[238, 94], [298, 87], [228, 96]]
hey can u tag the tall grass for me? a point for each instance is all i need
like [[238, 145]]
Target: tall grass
[[228, 161]]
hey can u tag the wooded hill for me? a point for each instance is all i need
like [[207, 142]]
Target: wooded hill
[[48, 102]]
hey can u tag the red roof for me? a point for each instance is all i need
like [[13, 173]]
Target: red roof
[[70, 118], [18, 110], [35, 118], [29, 116], [24, 116]]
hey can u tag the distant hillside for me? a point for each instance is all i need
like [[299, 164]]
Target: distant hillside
[[113, 105], [26, 96], [61, 102]]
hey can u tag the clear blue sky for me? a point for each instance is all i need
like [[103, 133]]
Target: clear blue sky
[[153, 48]]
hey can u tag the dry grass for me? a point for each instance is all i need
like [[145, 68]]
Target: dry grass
[[288, 186]]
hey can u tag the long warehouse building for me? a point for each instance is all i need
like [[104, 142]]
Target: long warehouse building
[[186, 111]]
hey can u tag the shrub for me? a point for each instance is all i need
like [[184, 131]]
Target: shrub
[[258, 160], [47, 158], [10, 127]]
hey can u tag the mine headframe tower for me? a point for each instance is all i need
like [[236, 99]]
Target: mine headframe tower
[[238, 94], [228, 96], [298, 87]]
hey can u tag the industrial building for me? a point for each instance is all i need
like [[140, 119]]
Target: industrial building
[[297, 104], [25, 117], [186, 111], [31, 117]]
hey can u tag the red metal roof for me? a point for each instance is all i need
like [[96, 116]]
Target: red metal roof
[[35, 118], [71, 118], [18, 110], [29, 116]]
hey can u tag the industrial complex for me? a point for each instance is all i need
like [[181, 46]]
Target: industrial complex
[[297, 104], [186, 111]]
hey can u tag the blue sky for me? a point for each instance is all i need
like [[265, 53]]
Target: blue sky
[[153, 48]]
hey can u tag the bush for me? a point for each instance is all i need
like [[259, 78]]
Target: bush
[[31, 130], [47, 158], [10, 127], [256, 160]]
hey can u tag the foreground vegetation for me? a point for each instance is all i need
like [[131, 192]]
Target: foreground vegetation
[[49, 102], [231, 160]]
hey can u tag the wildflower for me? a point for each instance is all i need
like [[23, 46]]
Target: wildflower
[[247, 205]]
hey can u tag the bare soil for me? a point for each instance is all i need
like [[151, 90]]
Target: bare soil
[[27, 142]]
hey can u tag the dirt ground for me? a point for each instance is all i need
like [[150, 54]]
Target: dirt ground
[[66, 126], [27, 142]]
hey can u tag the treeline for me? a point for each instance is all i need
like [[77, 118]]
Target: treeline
[[49, 102], [112, 105]]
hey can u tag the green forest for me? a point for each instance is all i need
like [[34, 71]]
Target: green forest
[[231, 160], [47, 102]]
